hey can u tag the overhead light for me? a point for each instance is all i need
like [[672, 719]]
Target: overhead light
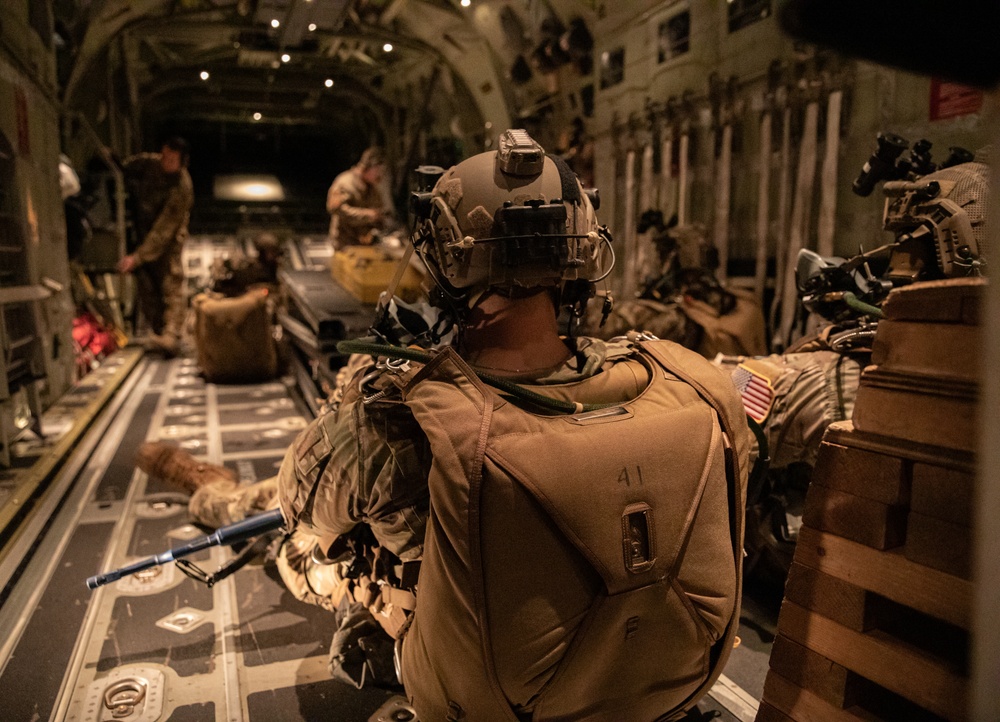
[[466, 3], [285, 57], [204, 75], [244, 187], [257, 116], [275, 23], [312, 27], [387, 47], [328, 82]]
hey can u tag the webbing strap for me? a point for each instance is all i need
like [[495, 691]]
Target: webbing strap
[[763, 461], [390, 291], [497, 382]]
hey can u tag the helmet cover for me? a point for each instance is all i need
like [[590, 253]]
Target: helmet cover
[[939, 222], [514, 218]]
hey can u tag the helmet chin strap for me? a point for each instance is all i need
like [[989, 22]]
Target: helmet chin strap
[[383, 300]]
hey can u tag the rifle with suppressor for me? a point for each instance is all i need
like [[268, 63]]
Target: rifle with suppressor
[[223, 536]]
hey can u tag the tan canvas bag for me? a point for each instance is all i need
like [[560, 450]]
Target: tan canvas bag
[[233, 337]]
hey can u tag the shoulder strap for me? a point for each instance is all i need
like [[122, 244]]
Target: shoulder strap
[[718, 391]]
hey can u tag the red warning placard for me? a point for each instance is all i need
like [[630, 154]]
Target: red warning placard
[[950, 100]]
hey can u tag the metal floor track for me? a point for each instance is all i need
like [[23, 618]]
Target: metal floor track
[[242, 651]]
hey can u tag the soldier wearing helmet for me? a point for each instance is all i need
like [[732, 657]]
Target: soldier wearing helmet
[[355, 202], [396, 470], [483, 498]]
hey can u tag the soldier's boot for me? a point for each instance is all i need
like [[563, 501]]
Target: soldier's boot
[[179, 469]]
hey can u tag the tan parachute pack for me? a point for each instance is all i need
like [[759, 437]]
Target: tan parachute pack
[[578, 567]]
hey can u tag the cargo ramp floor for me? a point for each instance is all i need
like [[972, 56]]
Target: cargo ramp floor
[[243, 650]]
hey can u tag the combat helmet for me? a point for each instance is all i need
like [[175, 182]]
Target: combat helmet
[[511, 221], [939, 222]]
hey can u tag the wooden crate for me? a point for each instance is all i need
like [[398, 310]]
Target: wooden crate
[[941, 412], [878, 603], [867, 474], [957, 300], [936, 350], [870, 522]]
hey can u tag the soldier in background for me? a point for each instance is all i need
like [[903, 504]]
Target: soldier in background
[[356, 204], [363, 481], [682, 301], [163, 192]]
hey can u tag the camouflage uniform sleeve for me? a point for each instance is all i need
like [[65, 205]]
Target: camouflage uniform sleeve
[[168, 224], [305, 473], [360, 463], [334, 196], [347, 201]]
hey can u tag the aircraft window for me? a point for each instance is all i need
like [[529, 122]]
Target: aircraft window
[[747, 12], [612, 67], [674, 37]]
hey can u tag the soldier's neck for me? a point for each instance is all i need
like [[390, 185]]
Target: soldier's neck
[[513, 335]]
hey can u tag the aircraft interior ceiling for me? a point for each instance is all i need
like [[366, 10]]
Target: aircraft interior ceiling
[[305, 85], [296, 61], [732, 132]]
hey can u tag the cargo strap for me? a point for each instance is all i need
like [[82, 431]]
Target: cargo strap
[[758, 473], [247, 555]]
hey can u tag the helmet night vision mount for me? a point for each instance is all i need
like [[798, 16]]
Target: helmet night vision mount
[[936, 211]]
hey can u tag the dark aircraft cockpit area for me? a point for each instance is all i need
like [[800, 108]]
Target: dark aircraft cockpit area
[[797, 190]]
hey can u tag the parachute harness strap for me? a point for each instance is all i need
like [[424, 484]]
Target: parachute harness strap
[[758, 473], [497, 382]]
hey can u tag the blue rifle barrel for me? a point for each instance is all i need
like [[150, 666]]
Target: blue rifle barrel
[[223, 536]]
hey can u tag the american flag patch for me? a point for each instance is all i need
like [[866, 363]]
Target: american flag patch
[[756, 390]]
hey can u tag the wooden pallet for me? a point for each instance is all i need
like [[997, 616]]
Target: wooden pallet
[[917, 408], [877, 607], [875, 622]]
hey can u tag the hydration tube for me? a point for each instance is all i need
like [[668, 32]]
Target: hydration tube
[[858, 305], [505, 385]]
